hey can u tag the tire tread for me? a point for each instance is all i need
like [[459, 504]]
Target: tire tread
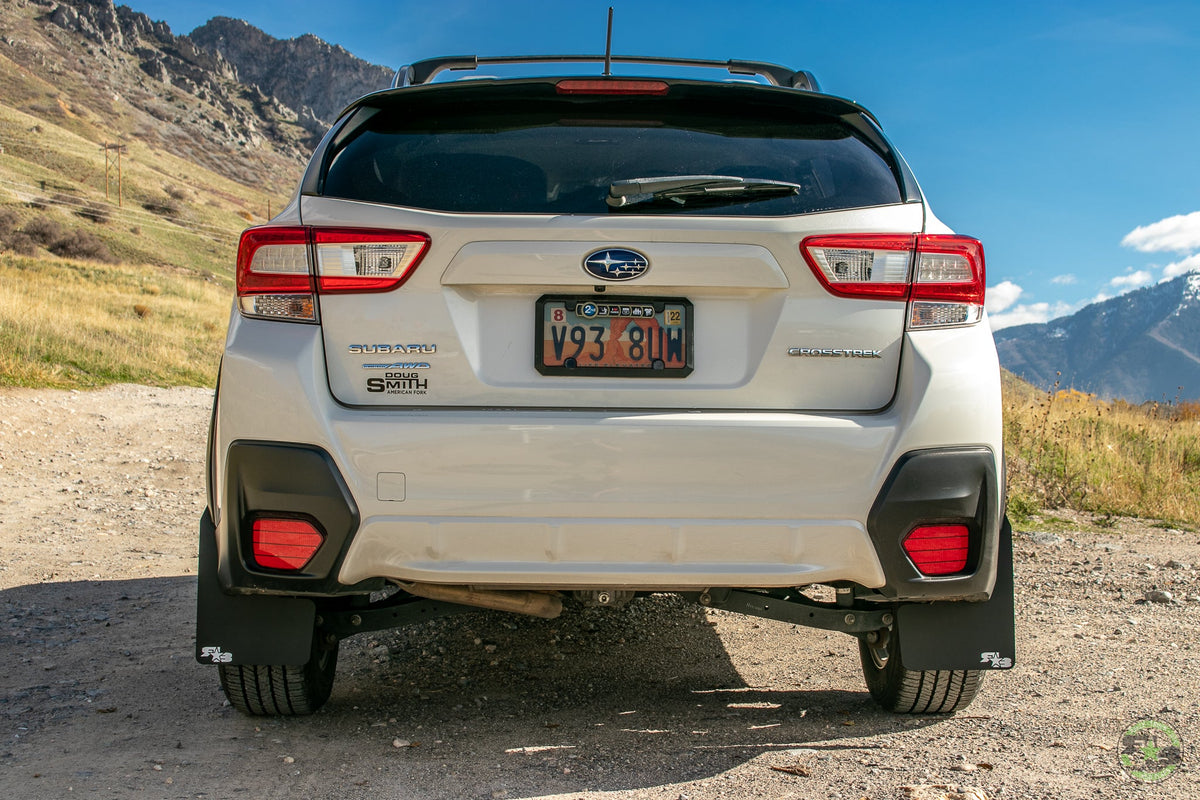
[[906, 691], [263, 690]]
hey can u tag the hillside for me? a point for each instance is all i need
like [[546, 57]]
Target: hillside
[[130, 160], [107, 73], [1144, 345]]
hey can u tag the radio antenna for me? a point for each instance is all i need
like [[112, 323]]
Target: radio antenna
[[608, 45]]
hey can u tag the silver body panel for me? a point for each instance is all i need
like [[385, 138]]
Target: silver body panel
[[649, 499], [754, 299]]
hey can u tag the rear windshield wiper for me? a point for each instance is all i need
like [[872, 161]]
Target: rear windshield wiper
[[683, 189]]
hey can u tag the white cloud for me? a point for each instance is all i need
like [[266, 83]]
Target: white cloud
[[1180, 267], [1177, 234], [1001, 296], [1034, 312], [1063, 280], [1134, 280]]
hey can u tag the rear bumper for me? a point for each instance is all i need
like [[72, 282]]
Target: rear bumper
[[654, 500], [270, 478]]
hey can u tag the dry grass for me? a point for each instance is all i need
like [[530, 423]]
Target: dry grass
[[1070, 450], [72, 324]]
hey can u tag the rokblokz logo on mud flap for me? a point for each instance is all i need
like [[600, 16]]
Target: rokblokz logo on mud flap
[[398, 383]]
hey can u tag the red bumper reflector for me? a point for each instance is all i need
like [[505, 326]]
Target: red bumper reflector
[[938, 549], [285, 543]]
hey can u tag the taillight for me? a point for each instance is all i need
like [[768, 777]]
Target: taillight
[[612, 86], [284, 543], [948, 282], [938, 549], [360, 260], [274, 280], [868, 265], [942, 276], [282, 269]]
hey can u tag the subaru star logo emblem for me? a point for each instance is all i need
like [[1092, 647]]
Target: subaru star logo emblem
[[616, 265]]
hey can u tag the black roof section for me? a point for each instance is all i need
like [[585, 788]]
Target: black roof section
[[420, 72]]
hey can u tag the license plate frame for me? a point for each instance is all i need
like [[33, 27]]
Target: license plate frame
[[551, 347]]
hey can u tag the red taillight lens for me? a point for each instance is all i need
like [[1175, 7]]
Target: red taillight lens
[[949, 268], [613, 86], [938, 549], [284, 543], [943, 275], [274, 280]]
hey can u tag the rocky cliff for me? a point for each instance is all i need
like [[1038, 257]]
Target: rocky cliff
[[313, 77]]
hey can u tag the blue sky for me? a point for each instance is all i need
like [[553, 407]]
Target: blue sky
[[1065, 135]]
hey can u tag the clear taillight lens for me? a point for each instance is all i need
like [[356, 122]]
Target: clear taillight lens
[[281, 270], [354, 260], [942, 276], [861, 265]]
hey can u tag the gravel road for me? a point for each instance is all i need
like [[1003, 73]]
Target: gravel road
[[100, 494]]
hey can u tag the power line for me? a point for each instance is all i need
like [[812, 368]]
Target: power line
[[80, 200], [11, 142], [109, 149], [129, 216]]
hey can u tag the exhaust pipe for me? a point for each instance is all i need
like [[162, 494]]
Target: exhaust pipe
[[535, 604]]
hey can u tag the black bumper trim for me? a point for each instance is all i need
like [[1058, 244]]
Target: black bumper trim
[[938, 486], [286, 480]]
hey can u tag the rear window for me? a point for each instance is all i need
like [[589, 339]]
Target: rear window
[[509, 152]]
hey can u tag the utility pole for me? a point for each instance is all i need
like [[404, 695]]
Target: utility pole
[[112, 155]]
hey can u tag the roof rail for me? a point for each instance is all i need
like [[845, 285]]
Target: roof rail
[[420, 72]]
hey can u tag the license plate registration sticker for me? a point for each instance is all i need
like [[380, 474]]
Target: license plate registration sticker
[[614, 337]]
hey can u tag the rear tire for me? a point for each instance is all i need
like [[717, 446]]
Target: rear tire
[[264, 690], [906, 691]]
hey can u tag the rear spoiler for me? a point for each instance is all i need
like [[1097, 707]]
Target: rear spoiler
[[421, 72]]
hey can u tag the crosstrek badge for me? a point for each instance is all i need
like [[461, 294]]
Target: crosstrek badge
[[832, 352]]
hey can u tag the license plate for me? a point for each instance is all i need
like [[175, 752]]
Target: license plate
[[635, 337]]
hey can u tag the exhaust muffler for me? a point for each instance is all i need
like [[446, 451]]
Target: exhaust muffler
[[535, 604]]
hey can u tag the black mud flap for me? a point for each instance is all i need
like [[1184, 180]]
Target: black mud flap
[[964, 635], [243, 629]]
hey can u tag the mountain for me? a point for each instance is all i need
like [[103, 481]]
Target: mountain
[[310, 75], [232, 99], [1144, 345]]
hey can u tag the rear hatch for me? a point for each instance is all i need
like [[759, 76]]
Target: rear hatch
[[556, 248]]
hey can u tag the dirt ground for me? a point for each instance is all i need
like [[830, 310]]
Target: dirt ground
[[100, 496]]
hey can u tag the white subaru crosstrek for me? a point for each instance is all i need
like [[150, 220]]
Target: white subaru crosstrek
[[523, 341]]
